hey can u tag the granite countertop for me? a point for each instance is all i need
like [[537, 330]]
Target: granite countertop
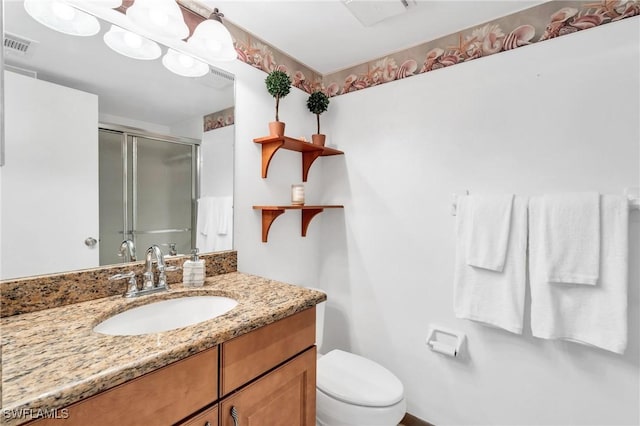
[[52, 358]]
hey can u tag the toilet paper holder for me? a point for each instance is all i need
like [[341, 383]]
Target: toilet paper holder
[[451, 343]]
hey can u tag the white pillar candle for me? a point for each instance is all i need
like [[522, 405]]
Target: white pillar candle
[[297, 194]]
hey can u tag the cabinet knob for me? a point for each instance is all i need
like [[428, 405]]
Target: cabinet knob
[[207, 423], [234, 416]]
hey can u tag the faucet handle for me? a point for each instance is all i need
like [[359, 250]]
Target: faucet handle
[[162, 276], [122, 276], [132, 285]]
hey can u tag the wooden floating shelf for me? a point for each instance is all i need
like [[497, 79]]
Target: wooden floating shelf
[[271, 144], [270, 213]]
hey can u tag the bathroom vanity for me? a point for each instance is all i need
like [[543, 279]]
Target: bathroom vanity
[[255, 362]]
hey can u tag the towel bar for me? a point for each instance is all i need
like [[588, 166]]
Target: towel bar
[[454, 200], [632, 194]]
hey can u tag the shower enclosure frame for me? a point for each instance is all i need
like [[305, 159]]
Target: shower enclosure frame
[[129, 229]]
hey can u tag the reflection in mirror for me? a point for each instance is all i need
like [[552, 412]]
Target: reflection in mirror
[[104, 147]]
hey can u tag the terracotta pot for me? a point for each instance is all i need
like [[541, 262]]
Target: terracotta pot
[[318, 139], [276, 128]]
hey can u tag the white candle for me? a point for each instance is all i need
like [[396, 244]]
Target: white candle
[[297, 194]]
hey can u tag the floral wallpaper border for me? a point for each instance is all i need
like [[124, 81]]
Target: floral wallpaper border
[[533, 25], [218, 119], [536, 24], [529, 26]]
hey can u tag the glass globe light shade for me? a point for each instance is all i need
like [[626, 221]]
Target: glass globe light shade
[[212, 41], [61, 17], [184, 65], [159, 17], [131, 44]]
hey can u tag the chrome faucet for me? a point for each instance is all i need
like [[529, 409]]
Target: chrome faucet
[[128, 251], [148, 284]]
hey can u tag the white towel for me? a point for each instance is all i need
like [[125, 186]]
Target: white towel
[[205, 216], [215, 224], [224, 207], [570, 229], [593, 315], [494, 298], [489, 230]]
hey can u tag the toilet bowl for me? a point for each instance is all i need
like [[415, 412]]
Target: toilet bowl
[[352, 390]]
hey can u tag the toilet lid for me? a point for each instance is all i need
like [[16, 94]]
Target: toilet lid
[[357, 380]]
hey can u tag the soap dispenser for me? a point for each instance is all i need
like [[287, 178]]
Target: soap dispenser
[[193, 271]]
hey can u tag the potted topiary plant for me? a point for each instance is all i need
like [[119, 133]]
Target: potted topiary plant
[[318, 103], [278, 85]]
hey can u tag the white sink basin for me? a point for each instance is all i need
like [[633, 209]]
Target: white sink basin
[[165, 315]]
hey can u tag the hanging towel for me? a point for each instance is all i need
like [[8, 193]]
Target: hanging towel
[[491, 297], [224, 206], [223, 240], [570, 229], [215, 224], [489, 230], [592, 315], [206, 221]]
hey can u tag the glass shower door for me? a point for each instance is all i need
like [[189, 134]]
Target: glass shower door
[[148, 188], [162, 195]]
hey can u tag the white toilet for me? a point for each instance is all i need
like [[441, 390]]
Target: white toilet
[[354, 391]]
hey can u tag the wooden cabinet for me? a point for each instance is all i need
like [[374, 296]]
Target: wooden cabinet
[[268, 375], [284, 397], [248, 356], [164, 396], [208, 417]]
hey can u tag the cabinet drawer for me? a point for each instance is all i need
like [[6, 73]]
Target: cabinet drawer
[[164, 396], [248, 356], [284, 397], [208, 417]]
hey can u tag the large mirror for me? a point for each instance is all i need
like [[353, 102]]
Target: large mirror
[[102, 148]]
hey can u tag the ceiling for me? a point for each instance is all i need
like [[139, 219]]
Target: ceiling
[[125, 87], [327, 37], [322, 34]]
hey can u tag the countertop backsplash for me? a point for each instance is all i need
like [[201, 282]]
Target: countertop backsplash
[[31, 294]]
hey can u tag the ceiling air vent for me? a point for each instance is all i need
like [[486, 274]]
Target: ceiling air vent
[[217, 79], [370, 12], [17, 45], [223, 74]]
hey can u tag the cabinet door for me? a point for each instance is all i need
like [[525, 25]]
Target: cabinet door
[[284, 397], [208, 417]]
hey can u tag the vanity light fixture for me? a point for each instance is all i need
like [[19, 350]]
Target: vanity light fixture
[[211, 40], [109, 4], [184, 65], [61, 17], [131, 44], [159, 17]]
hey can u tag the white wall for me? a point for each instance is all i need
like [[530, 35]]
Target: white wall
[[216, 149], [286, 256], [191, 128], [562, 115], [137, 124]]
